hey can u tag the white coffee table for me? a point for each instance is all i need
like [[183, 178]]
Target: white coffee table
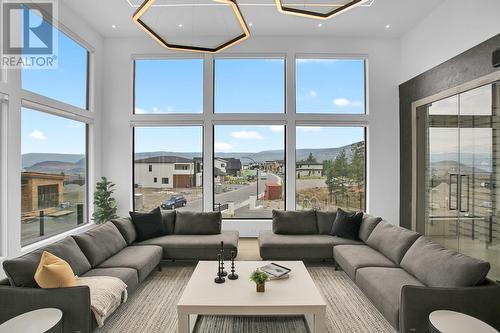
[[296, 295], [36, 321]]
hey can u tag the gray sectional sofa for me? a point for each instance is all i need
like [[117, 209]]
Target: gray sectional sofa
[[405, 275], [109, 249]]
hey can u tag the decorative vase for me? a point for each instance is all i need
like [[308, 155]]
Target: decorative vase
[[261, 287]]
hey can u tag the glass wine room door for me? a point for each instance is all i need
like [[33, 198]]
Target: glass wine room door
[[458, 175]]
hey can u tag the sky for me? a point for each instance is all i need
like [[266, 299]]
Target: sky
[[176, 86], [44, 133]]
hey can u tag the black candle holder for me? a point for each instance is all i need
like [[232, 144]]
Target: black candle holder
[[233, 275], [223, 272], [219, 278]]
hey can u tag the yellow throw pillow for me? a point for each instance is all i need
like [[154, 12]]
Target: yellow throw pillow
[[53, 272]]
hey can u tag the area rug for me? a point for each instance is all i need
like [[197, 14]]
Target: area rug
[[152, 307]]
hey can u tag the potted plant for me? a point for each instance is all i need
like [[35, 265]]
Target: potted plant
[[105, 204], [260, 279]]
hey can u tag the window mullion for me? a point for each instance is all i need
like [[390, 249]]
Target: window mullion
[[208, 137]]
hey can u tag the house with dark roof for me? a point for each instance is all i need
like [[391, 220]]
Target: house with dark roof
[[165, 172]]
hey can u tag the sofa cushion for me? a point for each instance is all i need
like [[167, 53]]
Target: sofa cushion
[[437, 266], [383, 287], [295, 247], [100, 243], [148, 225], [345, 241], [126, 228], [21, 270], [141, 258], [346, 224], [193, 223], [128, 275], [196, 247], [391, 240], [295, 222], [324, 221], [367, 225], [168, 219], [353, 257]]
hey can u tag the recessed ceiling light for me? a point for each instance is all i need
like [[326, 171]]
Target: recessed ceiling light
[[113, 26], [180, 25], [320, 25], [387, 26], [250, 24]]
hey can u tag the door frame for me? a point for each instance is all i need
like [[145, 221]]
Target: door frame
[[476, 83]]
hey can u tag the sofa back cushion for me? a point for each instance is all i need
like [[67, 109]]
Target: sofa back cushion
[[100, 243], [193, 223], [324, 221], [392, 241], [436, 266], [126, 228], [168, 219], [367, 225], [295, 222], [21, 270]]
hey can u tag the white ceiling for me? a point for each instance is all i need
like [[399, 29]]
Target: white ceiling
[[206, 19]]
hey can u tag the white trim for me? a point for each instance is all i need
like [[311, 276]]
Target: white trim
[[3, 175], [208, 119], [51, 105]]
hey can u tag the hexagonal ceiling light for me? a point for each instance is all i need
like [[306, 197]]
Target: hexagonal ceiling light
[[292, 10], [238, 39]]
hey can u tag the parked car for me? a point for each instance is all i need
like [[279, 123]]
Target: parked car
[[174, 202]]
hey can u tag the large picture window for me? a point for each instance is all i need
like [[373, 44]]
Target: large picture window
[[330, 86], [54, 175], [249, 86], [330, 168], [69, 82], [249, 170], [168, 168], [168, 86], [239, 139]]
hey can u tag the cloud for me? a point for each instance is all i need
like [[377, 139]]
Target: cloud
[[38, 135], [156, 110], [222, 146], [170, 109], [309, 129], [342, 102], [139, 111], [277, 128], [247, 135], [313, 93]]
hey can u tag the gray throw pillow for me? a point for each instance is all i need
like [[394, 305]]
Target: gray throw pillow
[[192, 223], [21, 270], [436, 266], [100, 243], [367, 225], [325, 221], [126, 228], [392, 241], [295, 222]]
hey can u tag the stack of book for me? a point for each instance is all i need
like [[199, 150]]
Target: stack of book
[[275, 271]]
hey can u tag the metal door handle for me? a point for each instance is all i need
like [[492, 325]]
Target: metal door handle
[[450, 206]]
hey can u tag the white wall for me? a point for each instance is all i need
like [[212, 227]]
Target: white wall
[[11, 174], [383, 133], [452, 28]]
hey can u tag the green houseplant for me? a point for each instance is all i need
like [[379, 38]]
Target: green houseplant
[[104, 203], [260, 279]]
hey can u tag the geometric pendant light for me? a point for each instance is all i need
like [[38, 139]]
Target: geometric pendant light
[[232, 3], [293, 10]]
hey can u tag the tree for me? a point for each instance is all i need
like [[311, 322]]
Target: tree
[[311, 158], [341, 171], [358, 168], [105, 204]]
